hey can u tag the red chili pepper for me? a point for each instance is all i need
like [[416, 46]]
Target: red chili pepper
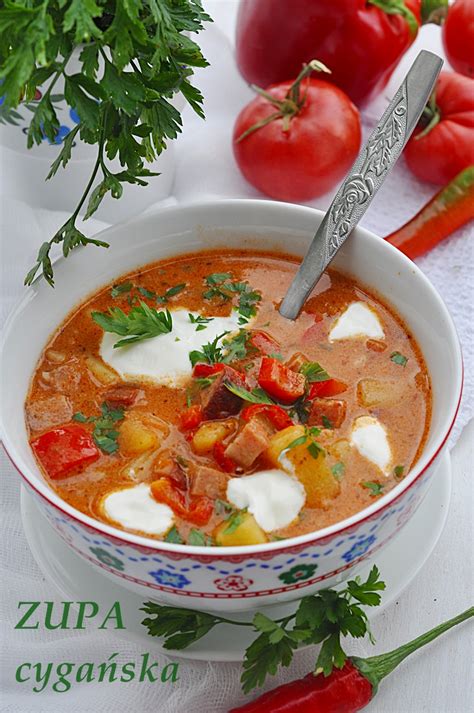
[[191, 417], [264, 343], [448, 210], [330, 387], [204, 370], [223, 461], [345, 690], [197, 510], [275, 414], [280, 382], [65, 449]]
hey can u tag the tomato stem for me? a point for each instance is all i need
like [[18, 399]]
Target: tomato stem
[[290, 105], [430, 117]]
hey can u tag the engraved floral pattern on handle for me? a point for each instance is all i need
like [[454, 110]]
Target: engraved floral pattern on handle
[[383, 148]]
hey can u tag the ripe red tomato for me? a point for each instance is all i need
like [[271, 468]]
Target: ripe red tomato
[[458, 37], [442, 145], [302, 158]]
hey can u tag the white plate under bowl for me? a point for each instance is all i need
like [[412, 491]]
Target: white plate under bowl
[[77, 581]]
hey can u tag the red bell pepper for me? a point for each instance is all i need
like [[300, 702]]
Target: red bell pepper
[[277, 416], [361, 41], [205, 370], [198, 509], [223, 461], [191, 417], [264, 343], [65, 449], [330, 387], [280, 382]]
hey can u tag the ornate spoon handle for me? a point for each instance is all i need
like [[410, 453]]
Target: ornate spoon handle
[[369, 171]]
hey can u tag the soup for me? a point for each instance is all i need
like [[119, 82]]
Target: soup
[[178, 404]]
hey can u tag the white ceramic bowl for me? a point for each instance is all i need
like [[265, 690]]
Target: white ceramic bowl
[[231, 578]]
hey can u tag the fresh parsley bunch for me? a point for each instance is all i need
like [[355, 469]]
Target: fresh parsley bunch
[[134, 54], [320, 618]]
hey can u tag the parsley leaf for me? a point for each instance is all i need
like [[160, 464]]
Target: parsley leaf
[[120, 289], [314, 372], [161, 299], [201, 322], [398, 471], [210, 353], [142, 322], [174, 536], [398, 358], [134, 57], [234, 521], [374, 487], [255, 396], [338, 470], [104, 434], [198, 538]]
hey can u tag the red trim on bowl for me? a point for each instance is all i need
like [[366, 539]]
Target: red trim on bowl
[[176, 552]]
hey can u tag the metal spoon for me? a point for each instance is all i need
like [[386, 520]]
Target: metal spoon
[[369, 171]]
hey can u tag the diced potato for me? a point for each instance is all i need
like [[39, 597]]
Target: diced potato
[[340, 449], [372, 393], [210, 433], [314, 473], [103, 373], [281, 440], [55, 357], [134, 437], [247, 531]]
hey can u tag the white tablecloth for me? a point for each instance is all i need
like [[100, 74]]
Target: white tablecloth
[[437, 681]]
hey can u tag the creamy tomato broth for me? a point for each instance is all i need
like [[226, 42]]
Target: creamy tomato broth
[[179, 404]]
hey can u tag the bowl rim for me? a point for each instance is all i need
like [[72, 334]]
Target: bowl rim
[[37, 483]]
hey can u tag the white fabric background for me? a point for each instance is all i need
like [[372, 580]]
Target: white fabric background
[[436, 681]]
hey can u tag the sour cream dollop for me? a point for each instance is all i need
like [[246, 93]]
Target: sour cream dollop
[[273, 497], [358, 320], [165, 358], [370, 438], [136, 509]]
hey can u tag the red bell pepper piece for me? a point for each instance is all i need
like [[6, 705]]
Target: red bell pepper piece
[[198, 509], [204, 370], [280, 382], [330, 387], [264, 343], [65, 449], [277, 416], [191, 417], [223, 461]]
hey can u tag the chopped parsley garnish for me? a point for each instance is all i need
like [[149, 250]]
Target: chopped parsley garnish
[[200, 322], [338, 470], [210, 353], [198, 538], [221, 286], [374, 487], [255, 396], [221, 507], [398, 358], [161, 299], [277, 356], [104, 434], [327, 423], [314, 372], [142, 322], [202, 382], [236, 347], [398, 471], [147, 293], [313, 448], [174, 536], [234, 521], [121, 289]]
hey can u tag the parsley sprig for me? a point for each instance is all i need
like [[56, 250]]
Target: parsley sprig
[[321, 618], [134, 57], [142, 322], [104, 434], [222, 286]]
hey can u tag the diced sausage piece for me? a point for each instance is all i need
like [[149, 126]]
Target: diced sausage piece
[[296, 361], [250, 442], [209, 482], [328, 413], [49, 412], [122, 395], [63, 378], [217, 401]]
